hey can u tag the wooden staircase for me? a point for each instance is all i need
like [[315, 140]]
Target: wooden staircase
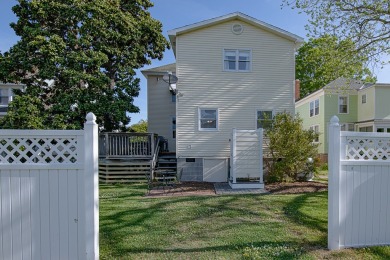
[[166, 167]]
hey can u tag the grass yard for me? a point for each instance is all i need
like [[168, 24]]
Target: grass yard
[[217, 227]]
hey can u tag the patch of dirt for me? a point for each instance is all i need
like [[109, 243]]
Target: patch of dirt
[[296, 187], [183, 189]]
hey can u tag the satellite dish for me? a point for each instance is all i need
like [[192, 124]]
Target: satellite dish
[[170, 78]]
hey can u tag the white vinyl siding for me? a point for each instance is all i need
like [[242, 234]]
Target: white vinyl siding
[[237, 60], [161, 110], [203, 83], [315, 107]]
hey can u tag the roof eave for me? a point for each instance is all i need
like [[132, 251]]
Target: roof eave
[[240, 16]]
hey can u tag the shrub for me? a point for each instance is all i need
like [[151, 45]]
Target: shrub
[[290, 146]]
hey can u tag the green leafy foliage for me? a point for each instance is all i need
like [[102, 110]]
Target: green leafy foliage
[[322, 60], [90, 50], [140, 127], [365, 22], [290, 147], [25, 112]]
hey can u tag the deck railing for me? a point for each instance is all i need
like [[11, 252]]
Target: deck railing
[[127, 145]]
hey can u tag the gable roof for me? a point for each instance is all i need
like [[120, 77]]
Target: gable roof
[[337, 84], [233, 16], [344, 83], [161, 70]]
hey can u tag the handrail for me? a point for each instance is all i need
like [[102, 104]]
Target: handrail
[[127, 145], [154, 159]]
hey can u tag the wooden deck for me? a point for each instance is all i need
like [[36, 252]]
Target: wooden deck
[[127, 157]]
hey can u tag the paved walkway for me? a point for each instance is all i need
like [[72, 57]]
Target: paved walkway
[[224, 188]]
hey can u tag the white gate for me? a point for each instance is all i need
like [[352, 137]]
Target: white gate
[[49, 193], [246, 159], [359, 194]]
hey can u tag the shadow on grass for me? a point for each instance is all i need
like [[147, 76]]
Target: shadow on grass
[[259, 250]]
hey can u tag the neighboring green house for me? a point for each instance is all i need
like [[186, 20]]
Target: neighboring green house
[[373, 108], [340, 97]]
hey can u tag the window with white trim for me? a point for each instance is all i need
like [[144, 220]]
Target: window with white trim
[[315, 107], [316, 129], [364, 99], [4, 96], [343, 104], [347, 127], [208, 119], [264, 119], [237, 60]]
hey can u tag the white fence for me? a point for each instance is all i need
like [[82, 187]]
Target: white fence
[[246, 159], [49, 193], [359, 188]]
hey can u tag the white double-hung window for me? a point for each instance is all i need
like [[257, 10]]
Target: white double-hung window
[[208, 119], [237, 60], [314, 107], [343, 104]]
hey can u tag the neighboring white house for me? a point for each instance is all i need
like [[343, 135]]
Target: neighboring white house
[[6, 95], [232, 70]]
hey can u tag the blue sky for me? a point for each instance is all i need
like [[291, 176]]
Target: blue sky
[[177, 13]]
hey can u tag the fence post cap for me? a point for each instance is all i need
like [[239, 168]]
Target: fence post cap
[[334, 121], [90, 118]]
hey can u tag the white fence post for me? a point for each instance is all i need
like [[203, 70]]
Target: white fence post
[[333, 184], [91, 187]]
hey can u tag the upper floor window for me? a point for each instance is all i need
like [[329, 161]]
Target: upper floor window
[[236, 60], [343, 104], [364, 99], [208, 119], [4, 98], [314, 107], [264, 119]]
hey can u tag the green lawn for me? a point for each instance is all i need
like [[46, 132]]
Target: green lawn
[[217, 227]]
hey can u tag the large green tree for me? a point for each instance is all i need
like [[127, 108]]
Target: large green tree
[[365, 22], [140, 127], [90, 50], [322, 60]]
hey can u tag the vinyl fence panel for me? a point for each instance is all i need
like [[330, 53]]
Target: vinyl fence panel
[[48, 193], [359, 181]]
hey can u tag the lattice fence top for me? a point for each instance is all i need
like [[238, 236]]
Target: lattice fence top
[[33, 150], [363, 148]]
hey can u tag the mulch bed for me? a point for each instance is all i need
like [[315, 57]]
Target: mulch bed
[[207, 188]]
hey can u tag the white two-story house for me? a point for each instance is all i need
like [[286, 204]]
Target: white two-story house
[[232, 71]]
